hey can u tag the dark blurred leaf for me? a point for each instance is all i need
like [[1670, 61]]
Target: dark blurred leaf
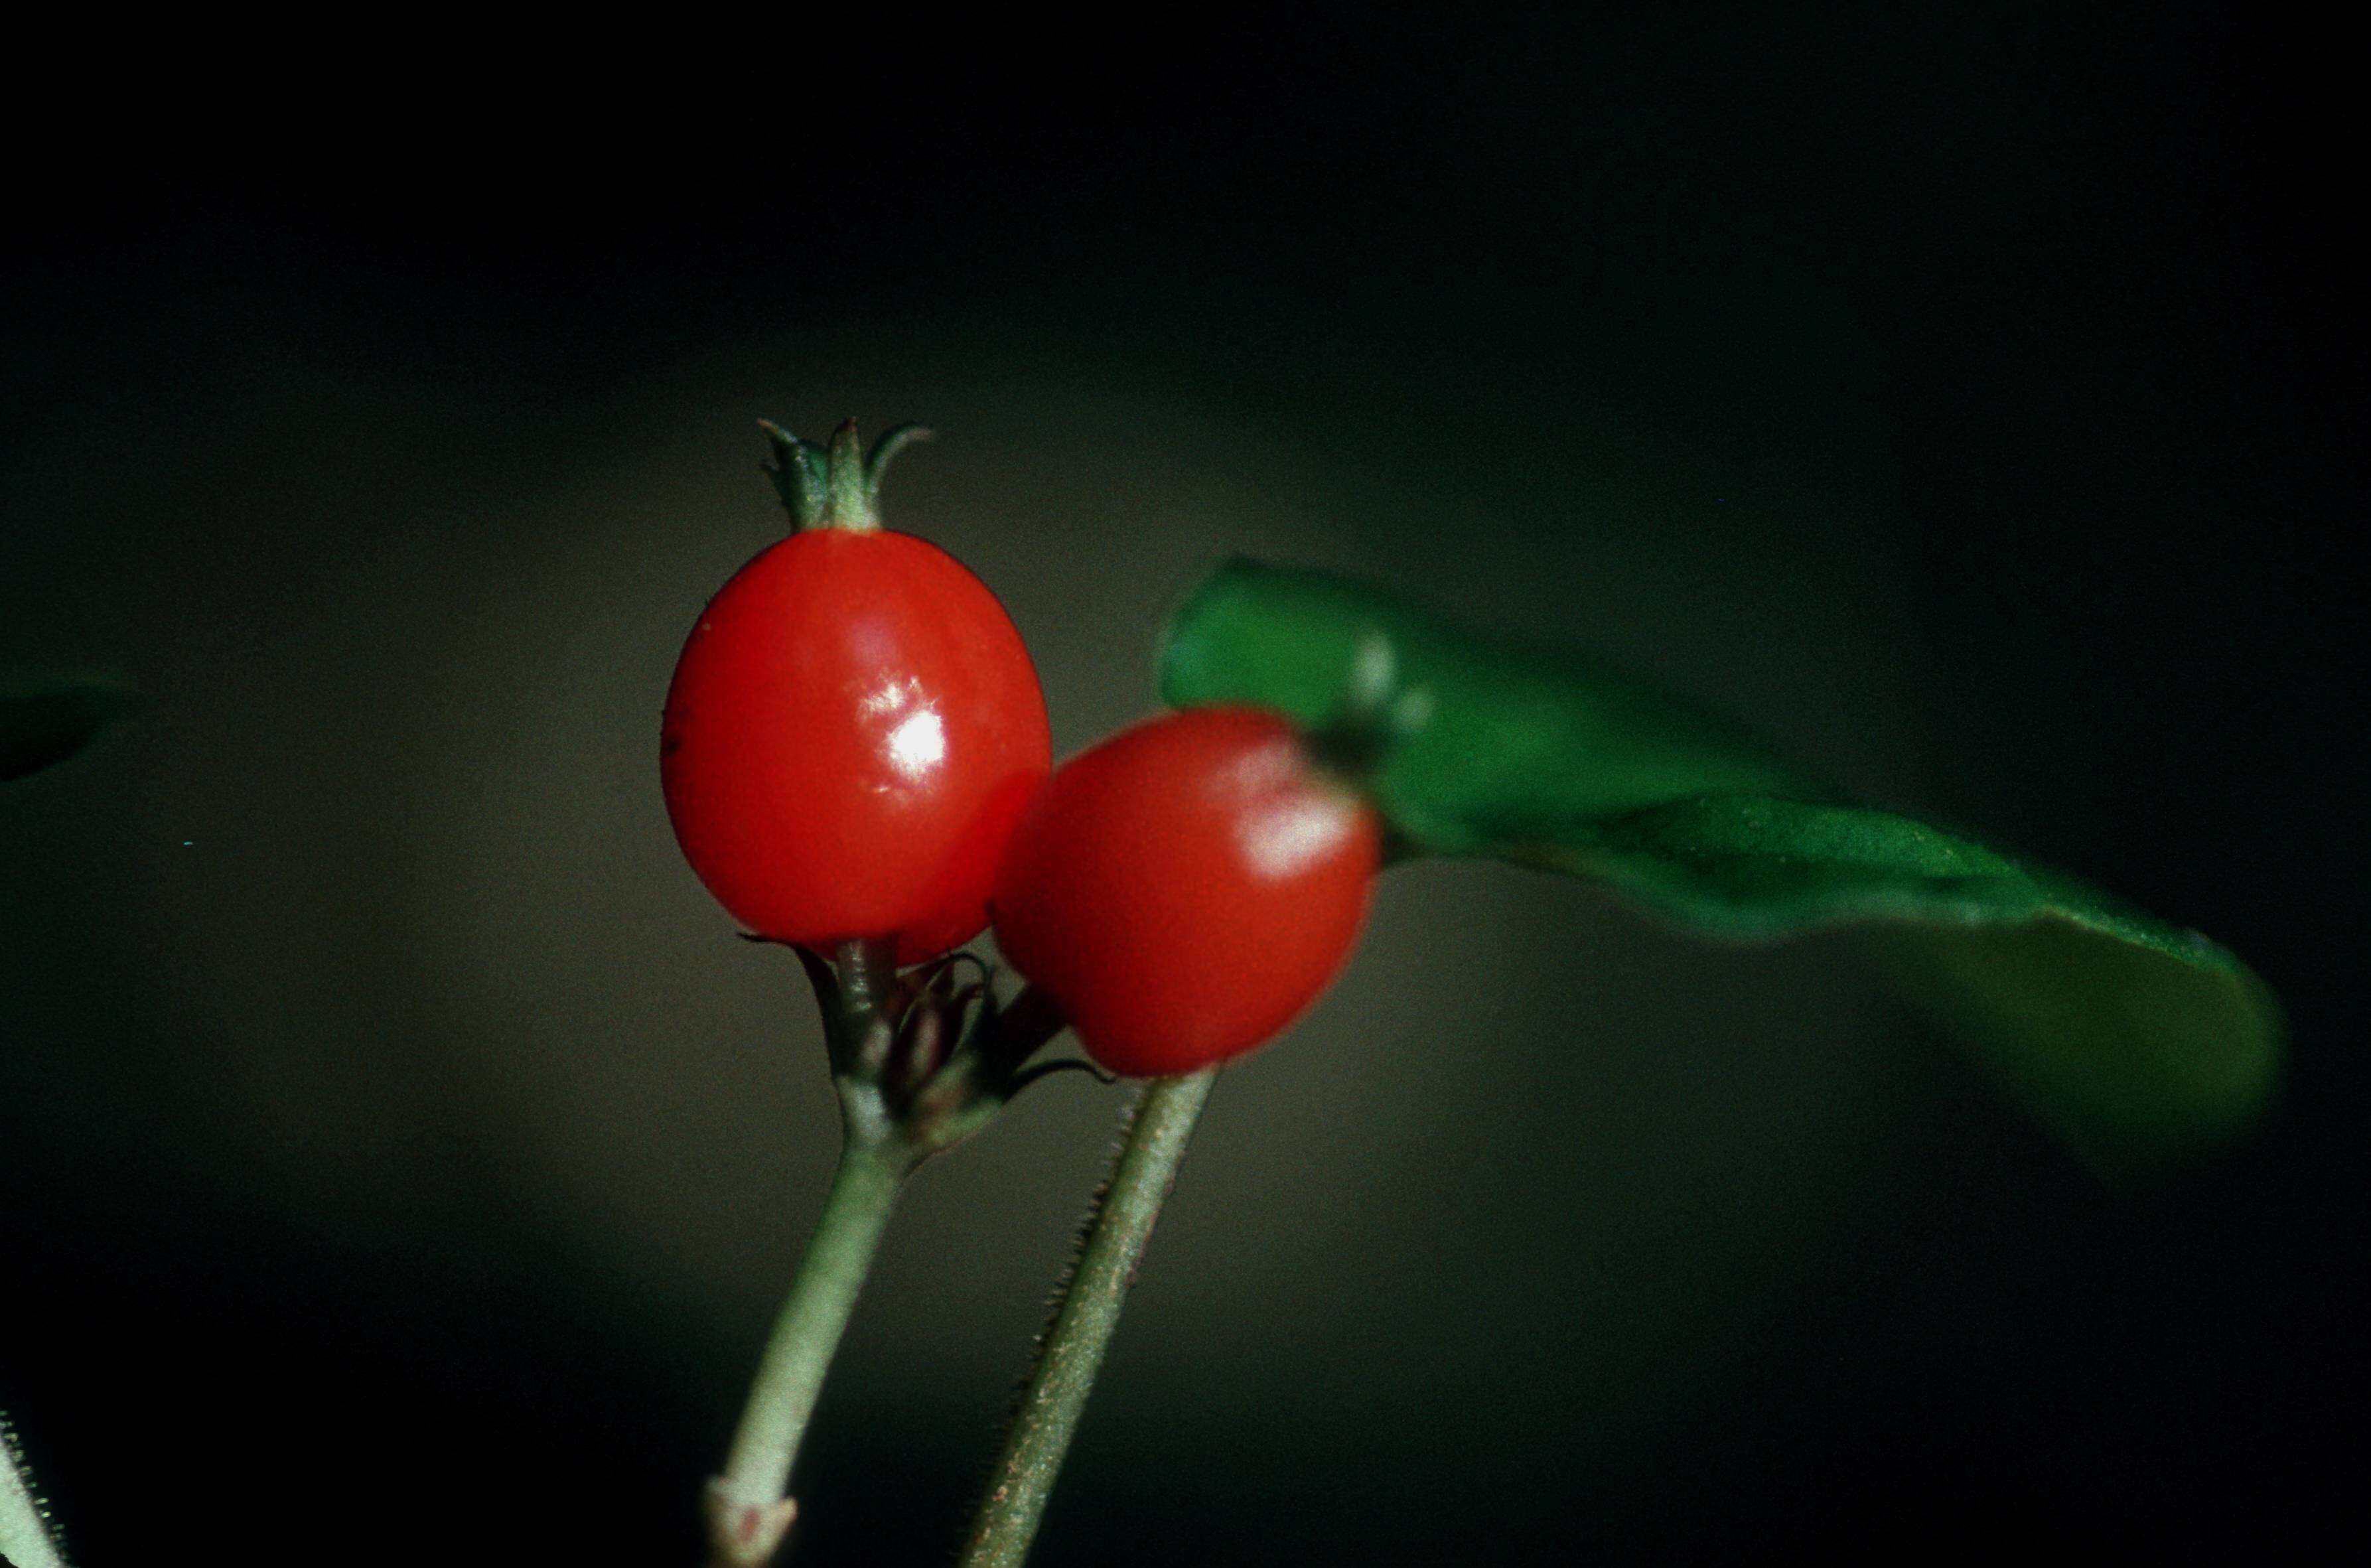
[[42, 729], [2137, 1039]]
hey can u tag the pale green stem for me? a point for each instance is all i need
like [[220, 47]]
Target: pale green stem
[[1159, 1124], [748, 1508], [25, 1539]]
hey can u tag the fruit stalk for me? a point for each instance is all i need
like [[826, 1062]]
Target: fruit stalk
[[1073, 1350], [747, 1506]]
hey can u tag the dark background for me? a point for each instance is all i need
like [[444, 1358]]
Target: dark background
[[400, 1161]]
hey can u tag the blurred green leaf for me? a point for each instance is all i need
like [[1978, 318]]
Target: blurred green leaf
[[1515, 729], [40, 729], [2135, 1039], [2138, 1041]]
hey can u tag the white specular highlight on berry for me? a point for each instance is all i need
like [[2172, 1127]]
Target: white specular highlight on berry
[[919, 744], [1286, 838]]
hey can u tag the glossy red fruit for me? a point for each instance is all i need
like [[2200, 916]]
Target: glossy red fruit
[[1187, 888], [853, 728]]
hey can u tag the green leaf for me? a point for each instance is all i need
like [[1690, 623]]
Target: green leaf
[[2138, 1041], [1514, 728], [42, 729]]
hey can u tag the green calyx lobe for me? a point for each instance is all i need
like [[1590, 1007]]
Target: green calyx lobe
[[835, 484], [1372, 715], [2140, 1042]]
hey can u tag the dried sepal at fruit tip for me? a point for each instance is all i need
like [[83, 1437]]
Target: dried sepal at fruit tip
[[835, 484]]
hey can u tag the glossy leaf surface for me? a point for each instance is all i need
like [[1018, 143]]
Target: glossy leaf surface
[[1516, 730], [2137, 1039]]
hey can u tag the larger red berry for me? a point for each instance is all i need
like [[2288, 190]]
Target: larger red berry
[[1186, 888], [853, 729]]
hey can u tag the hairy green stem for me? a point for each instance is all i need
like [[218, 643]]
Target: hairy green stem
[[749, 1510], [1159, 1124], [25, 1539]]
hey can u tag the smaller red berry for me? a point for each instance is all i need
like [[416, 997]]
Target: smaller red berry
[[1187, 888]]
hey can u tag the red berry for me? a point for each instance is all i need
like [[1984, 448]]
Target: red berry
[[853, 729], [1187, 888]]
